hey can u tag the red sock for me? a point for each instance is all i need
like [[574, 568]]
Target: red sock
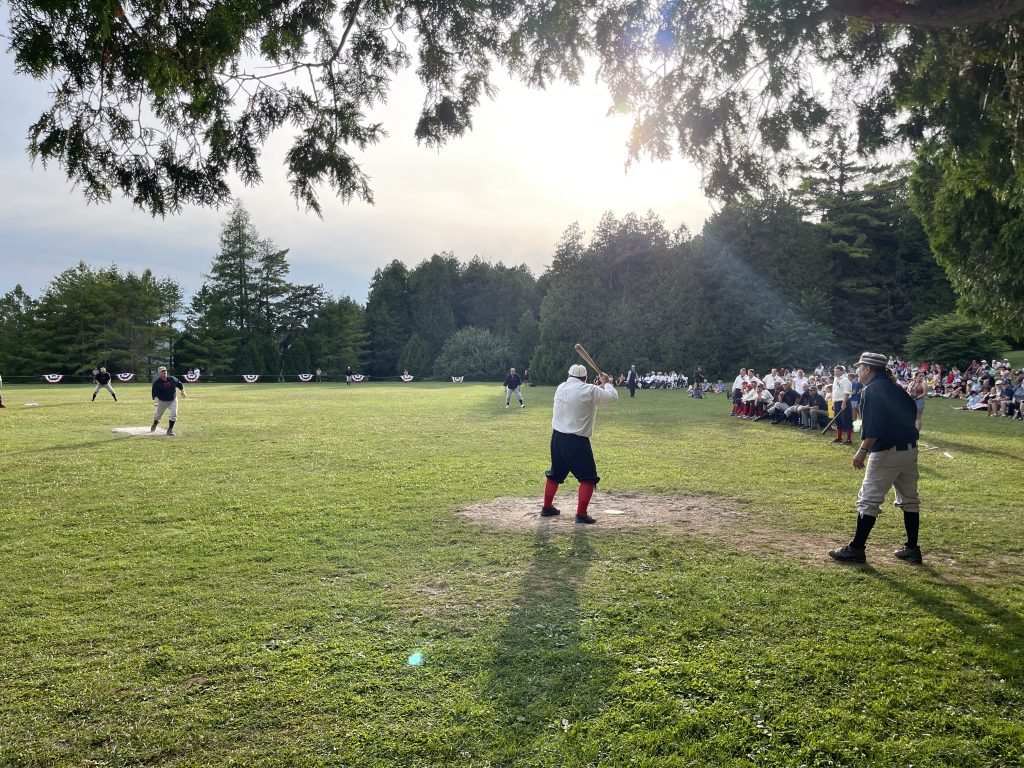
[[550, 489], [583, 498]]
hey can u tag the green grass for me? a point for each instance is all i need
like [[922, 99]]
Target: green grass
[[1016, 359], [249, 593]]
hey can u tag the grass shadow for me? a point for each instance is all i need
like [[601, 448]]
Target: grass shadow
[[999, 629], [543, 677]]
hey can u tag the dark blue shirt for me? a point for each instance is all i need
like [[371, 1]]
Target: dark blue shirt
[[888, 414], [512, 381], [164, 389]]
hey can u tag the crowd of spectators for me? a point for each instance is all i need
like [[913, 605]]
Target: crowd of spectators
[[811, 401]]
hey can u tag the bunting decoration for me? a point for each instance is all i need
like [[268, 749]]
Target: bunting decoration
[[191, 377], [251, 378], [458, 379], [53, 378], [357, 377], [305, 377], [406, 377], [125, 377]]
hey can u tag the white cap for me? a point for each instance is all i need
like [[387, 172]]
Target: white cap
[[161, 368], [578, 370]]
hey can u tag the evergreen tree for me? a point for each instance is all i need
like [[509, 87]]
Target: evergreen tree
[[387, 318], [18, 334]]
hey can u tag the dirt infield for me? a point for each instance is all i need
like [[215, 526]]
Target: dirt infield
[[612, 510], [705, 517], [140, 431]]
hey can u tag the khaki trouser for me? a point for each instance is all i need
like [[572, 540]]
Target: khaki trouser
[[889, 469], [164, 405]]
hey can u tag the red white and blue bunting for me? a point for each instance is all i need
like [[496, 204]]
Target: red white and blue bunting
[[406, 377], [192, 377], [53, 378], [305, 377], [251, 378], [458, 379], [357, 377], [125, 377]]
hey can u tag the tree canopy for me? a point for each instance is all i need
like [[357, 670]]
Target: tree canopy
[[162, 102]]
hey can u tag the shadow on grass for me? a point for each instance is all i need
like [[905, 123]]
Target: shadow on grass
[[998, 628], [943, 444], [543, 678]]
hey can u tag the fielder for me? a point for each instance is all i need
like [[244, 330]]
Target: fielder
[[512, 384], [164, 398], [102, 379], [572, 424]]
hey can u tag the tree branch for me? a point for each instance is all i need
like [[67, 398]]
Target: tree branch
[[926, 14]]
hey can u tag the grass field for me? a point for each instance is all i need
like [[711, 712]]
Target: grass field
[[250, 592]]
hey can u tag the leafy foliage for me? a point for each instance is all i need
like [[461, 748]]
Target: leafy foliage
[[475, 353], [953, 340]]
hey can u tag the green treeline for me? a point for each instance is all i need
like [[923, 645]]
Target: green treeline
[[783, 279]]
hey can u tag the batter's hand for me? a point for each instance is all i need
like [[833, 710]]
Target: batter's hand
[[859, 459]]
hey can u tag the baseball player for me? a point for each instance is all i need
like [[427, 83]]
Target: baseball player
[[572, 423], [164, 398], [102, 379], [512, 384]]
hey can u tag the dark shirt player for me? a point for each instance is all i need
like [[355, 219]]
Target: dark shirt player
[[165, 391]]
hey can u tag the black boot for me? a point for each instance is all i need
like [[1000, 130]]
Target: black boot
[[153, 428]]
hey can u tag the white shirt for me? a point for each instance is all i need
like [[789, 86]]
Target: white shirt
[[769, 382], [800, 384], [576, 406], [841, 386]]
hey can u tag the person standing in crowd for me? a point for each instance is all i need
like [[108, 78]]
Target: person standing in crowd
[[888, 450], [165, 399], [512, 384], [572, 424], [102, 380], [632, 380], [842, 391], [854, 396], [918, 390]]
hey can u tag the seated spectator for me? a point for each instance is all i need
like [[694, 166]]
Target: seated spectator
[[784, 400], [1016, 405], [813, 410], [1003, 395]]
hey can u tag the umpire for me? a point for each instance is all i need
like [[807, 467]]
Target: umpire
[[888, 449]]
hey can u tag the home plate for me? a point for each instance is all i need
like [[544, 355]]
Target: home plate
[[134, 431]]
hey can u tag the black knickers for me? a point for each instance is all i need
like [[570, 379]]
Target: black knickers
[[572, 453]]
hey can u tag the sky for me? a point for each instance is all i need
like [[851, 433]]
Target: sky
[[534, 163]]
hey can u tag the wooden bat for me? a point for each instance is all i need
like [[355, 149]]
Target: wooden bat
[[587, 359]]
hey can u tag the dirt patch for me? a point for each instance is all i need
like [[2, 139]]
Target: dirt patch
[[705, 517], [612, 510], [139, 431], [709, 518]]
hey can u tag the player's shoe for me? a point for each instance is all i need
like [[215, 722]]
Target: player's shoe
[[170, 433], [522, 405], [849, 554], [153, 428], [549, 511], [908, 554], [585, 519]]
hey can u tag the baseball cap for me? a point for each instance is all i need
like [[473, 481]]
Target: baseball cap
[[578, 370], [161, 369]]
